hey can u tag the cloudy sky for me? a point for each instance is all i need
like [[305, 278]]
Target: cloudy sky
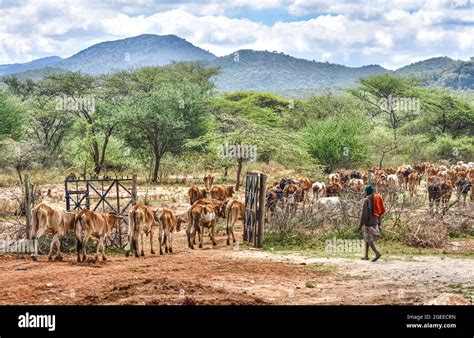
[[389, 33]]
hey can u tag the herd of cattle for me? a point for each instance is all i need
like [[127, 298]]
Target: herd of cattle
[[440, 181], [203, 213], [213, 202]]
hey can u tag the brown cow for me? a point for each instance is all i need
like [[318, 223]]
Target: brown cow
[[194, 194], [141, 220], [169, 223], [202, 216], [413, 181], [356, 184], [208, 180], [48, 220], [306, 184], [333, 189], [446, 192], [218, 208], [222, 192], [235, 211], [96, 224]]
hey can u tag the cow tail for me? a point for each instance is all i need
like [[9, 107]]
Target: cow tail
[[136, 231]]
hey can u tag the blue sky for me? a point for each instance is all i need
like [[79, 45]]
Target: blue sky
[[351, 32]]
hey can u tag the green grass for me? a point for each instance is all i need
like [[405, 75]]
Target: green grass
[[391, 250], [319, 267], [309, 285]]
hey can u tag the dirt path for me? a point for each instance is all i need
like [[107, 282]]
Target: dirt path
[[224, 275]]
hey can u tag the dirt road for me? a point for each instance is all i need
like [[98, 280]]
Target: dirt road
[[225, 275]]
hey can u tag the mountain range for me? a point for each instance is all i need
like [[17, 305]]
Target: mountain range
[[241, 70]]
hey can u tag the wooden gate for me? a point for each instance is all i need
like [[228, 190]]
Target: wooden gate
[[254, 208], [104, 195]]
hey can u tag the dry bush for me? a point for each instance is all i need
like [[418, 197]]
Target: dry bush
[[427, 232]]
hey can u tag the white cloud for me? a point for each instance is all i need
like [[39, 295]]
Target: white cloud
[[371, 31]]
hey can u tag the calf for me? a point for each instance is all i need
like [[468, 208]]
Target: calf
[[208, 180], [412, 180], [90, 223], [446, 192], [194, 194], [434, 195], [169, 223], [48, 220], [319, 189], [202, 216], [333, 189], [356, 184], [219, 210], [306, 185], [222, 192], [462, 188], [141, 220], [235, 211]]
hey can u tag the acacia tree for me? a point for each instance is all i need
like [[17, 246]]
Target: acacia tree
[[244, 124], [378, 92], [92, 102], [164, 108]]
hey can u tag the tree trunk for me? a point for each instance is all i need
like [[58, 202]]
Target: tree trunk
[[381, 160], [156, 168], [19, 175], [239, 171]]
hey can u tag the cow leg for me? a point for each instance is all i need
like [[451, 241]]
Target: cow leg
[[192, 238], [142, 241], [171, 242], [102, 249], [152, 251], [51, 246], [160, 239], [59, 257], [213, 234], [228, 223], [84, 248], [202, 237], [232, 231]]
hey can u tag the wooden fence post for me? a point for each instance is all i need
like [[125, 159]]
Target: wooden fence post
[[134, 189], [261, 209], [28, 206]]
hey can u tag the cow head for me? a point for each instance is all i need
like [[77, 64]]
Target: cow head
[[230, 191]]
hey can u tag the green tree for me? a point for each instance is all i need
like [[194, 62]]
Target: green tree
[[336, 141], [11, 117], [164, 108], [381, 93]]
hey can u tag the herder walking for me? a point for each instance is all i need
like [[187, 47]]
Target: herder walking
[[370, 221]]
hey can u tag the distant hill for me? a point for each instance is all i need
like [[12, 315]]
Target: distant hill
[[111, 56], [460, 76], [25, 67], [281, 73], [241, 70], [139, 51]]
